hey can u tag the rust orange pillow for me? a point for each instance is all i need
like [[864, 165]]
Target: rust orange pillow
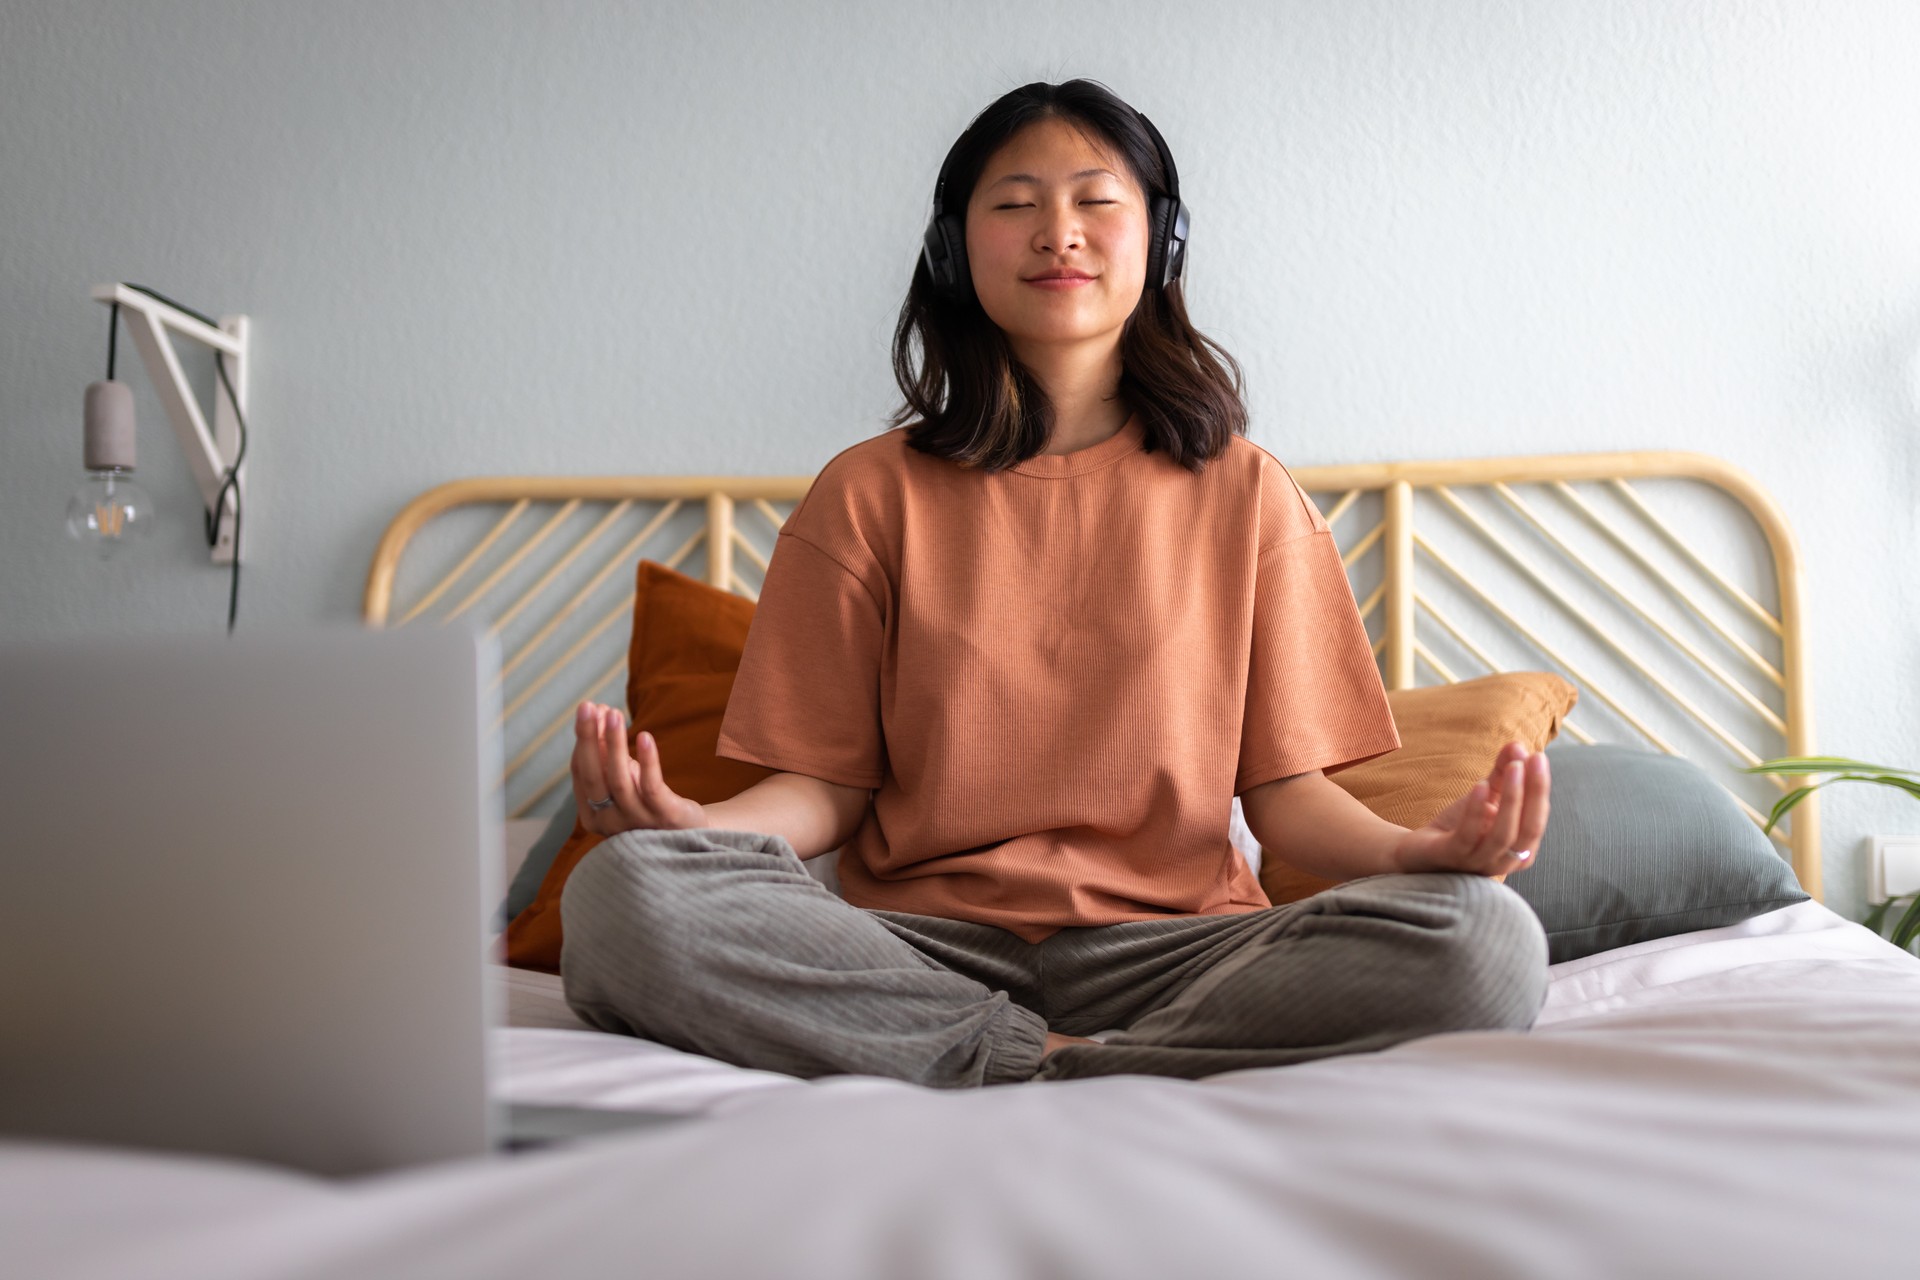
[[686, 645], [1450, 735]]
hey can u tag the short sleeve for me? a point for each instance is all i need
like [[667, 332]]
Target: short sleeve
[[807, 696], [1314, 695]]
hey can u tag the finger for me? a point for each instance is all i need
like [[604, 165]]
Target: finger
[[1449, 818], [1472, 839], [610, 818], [1511, 861], [588, 780], [623, 775], [1508, 753], [672, 807], [652, 780], [619, 771], [1469, 816], [1475, 814], [1533, 816], [643, 783], [1498, 839]]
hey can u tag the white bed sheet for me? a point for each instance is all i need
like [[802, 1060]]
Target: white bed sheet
[[1743, 1101], [547, 1055]]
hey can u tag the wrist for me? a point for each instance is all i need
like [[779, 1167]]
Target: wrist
[[1403, 856], [689, 814], [1313, 824]]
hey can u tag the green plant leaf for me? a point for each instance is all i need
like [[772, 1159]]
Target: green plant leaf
[[1787, 802], [1907, 785], [1911, 788], [1877, 916], [1794, 797], [1809, 764], [1785, 765], [1903, 933]]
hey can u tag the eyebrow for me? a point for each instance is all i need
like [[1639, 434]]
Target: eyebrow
[[1027, 177]]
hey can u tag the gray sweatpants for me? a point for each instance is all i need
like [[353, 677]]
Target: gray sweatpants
[[720, 943]]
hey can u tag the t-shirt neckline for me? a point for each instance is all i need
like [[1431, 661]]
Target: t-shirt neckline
[[1126, 440]]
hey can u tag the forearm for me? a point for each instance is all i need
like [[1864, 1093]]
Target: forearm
[[811, 814], [1309, 822]]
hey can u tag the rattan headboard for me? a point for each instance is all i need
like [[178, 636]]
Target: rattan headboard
[[1693, 663]]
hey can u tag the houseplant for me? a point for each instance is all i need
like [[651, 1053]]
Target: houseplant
[[1845, 770]]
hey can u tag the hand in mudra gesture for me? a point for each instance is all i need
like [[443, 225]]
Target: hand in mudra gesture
[[1494, 828], [615, 790]]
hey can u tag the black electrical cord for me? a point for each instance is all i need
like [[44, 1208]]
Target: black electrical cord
[[230, 483]]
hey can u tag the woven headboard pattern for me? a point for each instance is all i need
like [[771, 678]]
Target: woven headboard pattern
[[1664, 585]]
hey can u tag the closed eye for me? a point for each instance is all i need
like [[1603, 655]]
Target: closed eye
[[1029, 206]]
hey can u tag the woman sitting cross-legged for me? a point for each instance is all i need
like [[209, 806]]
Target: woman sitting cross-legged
[[1017, 655]]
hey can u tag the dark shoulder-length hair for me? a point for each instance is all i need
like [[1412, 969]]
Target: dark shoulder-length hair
[[972, 402]]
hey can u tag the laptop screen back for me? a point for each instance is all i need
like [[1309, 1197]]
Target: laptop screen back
[[246, 887]]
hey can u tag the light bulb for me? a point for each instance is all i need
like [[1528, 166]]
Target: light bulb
[[109, 512]]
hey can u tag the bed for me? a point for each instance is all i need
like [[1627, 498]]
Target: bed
[[1735, 1100]]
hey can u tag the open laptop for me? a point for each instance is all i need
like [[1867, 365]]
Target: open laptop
[[246, 883]]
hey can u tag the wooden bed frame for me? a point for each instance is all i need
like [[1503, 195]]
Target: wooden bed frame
[[555, 584]]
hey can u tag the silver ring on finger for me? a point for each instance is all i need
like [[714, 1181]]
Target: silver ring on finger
[[598, 805]]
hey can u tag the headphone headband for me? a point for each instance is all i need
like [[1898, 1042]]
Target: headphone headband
[[1166, 156]]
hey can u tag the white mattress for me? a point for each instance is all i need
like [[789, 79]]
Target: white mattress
[[1742, 1101]]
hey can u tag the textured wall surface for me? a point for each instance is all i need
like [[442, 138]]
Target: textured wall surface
[[567, 237]]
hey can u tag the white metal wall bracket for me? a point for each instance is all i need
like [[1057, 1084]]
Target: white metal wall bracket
[[209, 452]]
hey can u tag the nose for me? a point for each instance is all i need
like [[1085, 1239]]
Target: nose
[[1060, 229]]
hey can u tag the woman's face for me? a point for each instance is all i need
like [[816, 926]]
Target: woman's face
[[1048, 201]]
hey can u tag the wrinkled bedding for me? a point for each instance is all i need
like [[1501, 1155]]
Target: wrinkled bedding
[[1740, 1101]]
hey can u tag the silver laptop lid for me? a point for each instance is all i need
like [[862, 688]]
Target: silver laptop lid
[[245, 894]]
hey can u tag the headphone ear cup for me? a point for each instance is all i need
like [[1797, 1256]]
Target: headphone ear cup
[[1175, 255], [946, 257], [1158, 210]]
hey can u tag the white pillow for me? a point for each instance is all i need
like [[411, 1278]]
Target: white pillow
[[1242, 837]]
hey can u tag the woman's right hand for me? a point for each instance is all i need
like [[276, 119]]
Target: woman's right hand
[[604, 770]]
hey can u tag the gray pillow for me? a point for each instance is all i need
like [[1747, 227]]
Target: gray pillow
[[1640, 844], [526, 881]]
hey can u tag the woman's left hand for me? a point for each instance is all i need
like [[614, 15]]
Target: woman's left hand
[[1492, 830]]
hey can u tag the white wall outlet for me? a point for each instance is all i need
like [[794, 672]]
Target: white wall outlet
[[1896, 867]]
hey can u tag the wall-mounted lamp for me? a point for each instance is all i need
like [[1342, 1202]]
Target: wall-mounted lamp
[[110, 510]]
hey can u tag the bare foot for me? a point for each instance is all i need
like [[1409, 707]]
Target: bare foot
[[1058, 1041]]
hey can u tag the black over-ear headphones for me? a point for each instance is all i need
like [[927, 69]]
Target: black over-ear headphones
[[945, 252]]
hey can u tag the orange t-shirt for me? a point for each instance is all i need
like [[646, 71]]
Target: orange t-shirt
[[1057, 677]]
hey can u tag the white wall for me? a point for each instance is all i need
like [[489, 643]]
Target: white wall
[[548, 237]]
